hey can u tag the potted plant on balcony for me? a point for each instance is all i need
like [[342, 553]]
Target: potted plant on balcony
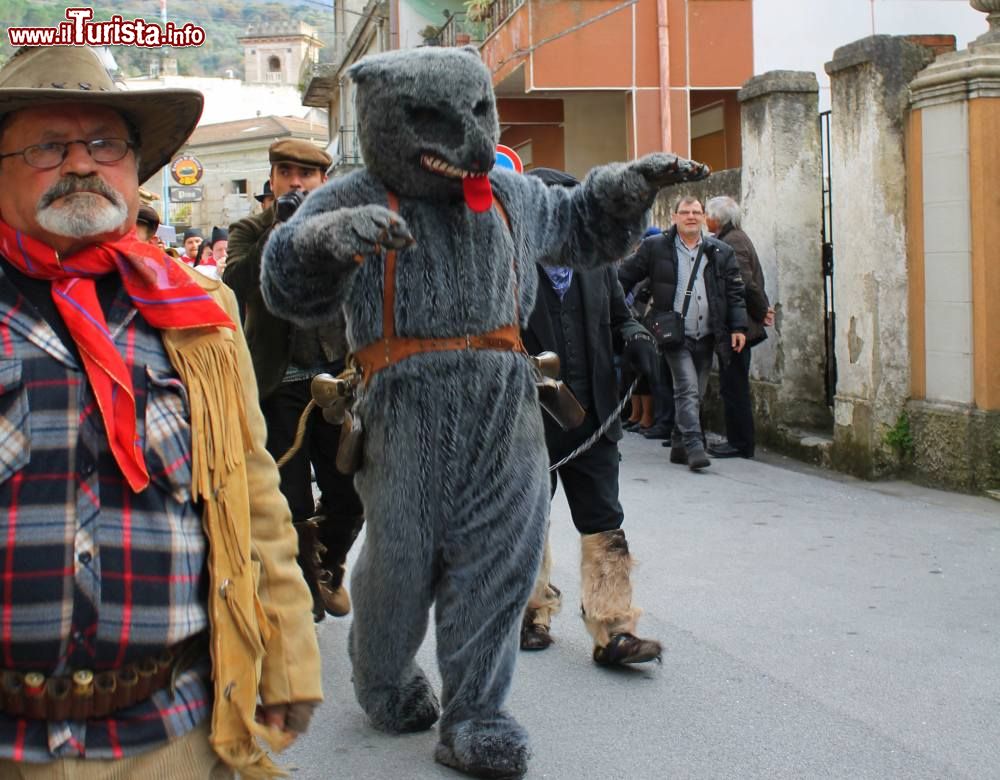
[[431, 35], [477, 10]]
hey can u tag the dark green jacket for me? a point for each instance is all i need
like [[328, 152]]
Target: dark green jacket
[[268, 337]]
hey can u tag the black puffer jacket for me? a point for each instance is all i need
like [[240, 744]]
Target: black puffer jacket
[[656, 259]]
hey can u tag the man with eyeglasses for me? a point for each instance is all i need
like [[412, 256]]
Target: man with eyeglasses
[[684, 263], [155, 622]]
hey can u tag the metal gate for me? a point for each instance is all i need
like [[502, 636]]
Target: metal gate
[[829, 311]]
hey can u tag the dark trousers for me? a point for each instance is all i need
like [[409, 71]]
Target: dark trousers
[[689, 364], [663, 397], [282, 410], [734, 387], [589, 481]]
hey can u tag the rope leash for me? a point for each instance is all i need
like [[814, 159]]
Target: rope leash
[[300, 435], [590, 442], [593, 439]]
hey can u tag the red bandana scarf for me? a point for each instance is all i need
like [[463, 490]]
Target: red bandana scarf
[[161, 291]]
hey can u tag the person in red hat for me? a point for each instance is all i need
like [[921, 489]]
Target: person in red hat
[[155, 623]]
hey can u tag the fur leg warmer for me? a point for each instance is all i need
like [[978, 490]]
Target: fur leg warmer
[[606, 586], [546, 599]]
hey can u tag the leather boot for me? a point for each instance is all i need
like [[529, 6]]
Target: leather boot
[[544, 602], [336, 535]]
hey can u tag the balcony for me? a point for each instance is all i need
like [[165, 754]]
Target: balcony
[[348, 151], [459, 30], [498, 12]]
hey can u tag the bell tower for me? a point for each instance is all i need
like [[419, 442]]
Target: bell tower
[[276, 53]]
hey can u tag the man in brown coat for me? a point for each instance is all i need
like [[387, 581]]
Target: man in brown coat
[[157, 624], [285, 359], [722, 217]]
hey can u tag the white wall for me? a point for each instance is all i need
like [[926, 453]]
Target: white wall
[[594, 129], [802, 34]]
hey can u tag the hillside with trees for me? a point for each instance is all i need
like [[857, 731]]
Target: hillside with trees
[[222, 20]]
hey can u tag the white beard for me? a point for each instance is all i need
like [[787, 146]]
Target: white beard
[[83, 214]]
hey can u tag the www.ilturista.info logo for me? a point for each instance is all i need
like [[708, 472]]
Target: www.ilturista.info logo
[[79, 30]]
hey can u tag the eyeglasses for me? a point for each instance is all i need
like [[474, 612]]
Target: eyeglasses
[[51, 154]]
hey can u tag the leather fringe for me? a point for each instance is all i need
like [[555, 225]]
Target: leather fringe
[[207, 364]]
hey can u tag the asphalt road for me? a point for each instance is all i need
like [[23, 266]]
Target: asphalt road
[[814, 627]]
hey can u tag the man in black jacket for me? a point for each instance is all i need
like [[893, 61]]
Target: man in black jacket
[[578, 315], [684, 263], [722, 216]]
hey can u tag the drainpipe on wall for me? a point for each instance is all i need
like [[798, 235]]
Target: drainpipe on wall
[[663, 33]]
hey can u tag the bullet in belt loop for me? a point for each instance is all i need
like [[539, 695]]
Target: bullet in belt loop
[[83, 694], [164, 665], [105, 685], [57, 690], [13, 693], [34, 695], [147, 672], [128, 681]]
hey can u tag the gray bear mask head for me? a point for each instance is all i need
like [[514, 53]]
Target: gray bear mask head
[[427, 122]]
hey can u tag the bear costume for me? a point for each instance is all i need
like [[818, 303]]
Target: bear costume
[[454, 472]]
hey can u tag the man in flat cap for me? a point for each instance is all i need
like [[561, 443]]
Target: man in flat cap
[[155, 621], [285, 359]]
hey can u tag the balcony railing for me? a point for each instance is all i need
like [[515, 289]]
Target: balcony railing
[[459, 30], [498, 13], [348, 148]]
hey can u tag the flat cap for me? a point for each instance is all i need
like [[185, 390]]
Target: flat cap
[[299, 152]]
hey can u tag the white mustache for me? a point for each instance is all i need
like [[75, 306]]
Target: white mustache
[[68, 185]]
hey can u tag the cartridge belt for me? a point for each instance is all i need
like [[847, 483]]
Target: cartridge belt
[[85, 694]]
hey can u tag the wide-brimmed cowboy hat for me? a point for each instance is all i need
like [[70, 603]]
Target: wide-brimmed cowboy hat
[[44, 75]]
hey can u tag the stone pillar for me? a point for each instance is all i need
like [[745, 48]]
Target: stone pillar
[[869, 80], [783, 211], [955, 263]]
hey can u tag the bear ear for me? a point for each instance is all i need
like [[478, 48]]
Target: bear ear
[[362, 69]]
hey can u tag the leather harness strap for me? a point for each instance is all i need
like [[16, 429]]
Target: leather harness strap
[[391, 349]]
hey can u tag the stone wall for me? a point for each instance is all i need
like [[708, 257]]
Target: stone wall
[[869, 82], [783, 210]]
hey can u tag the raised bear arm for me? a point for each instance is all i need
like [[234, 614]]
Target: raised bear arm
[[600, 220], [309, 262]]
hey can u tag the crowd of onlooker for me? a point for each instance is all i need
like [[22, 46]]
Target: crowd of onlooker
[[699, 288]]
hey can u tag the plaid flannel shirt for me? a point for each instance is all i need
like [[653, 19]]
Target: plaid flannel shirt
[[93, 575]]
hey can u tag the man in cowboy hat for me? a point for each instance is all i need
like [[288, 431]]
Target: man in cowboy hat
[[148, 544], [265, 198], [286, 358], [146, 222]]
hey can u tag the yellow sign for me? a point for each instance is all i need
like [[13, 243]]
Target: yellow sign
[[186, 170]]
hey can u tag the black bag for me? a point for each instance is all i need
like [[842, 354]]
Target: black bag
[[667, 327]]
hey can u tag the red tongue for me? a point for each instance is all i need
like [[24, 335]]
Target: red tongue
[[478, 193]]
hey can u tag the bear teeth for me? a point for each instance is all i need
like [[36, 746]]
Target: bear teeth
[[438, 165]]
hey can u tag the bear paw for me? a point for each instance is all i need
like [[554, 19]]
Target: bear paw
[[490, 747], [412, 707]]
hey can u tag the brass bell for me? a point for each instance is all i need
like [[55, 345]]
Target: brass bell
[[547, 364]]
